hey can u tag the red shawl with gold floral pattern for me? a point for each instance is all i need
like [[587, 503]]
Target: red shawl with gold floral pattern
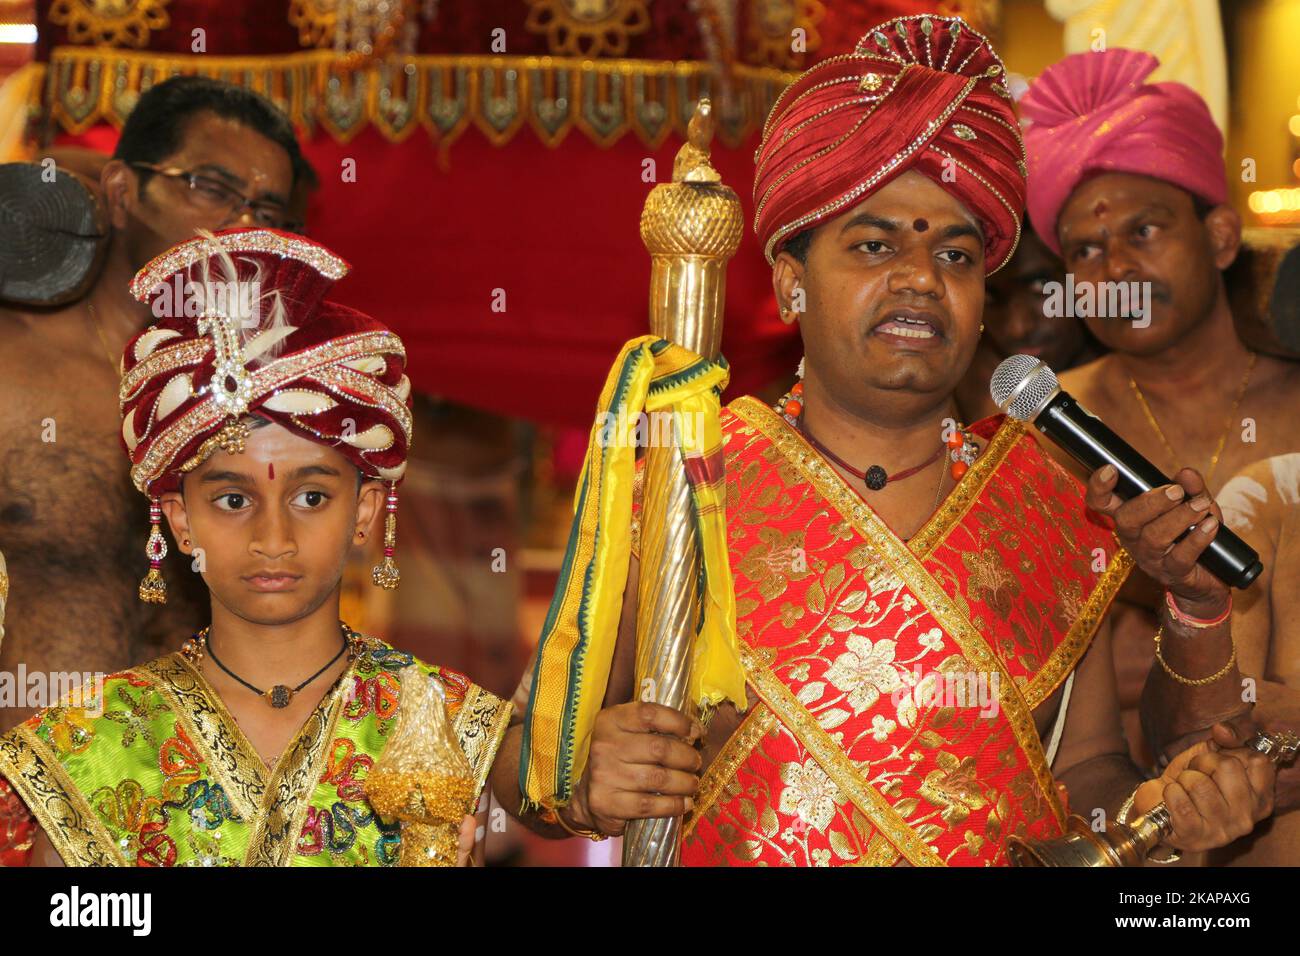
[[896, 681]]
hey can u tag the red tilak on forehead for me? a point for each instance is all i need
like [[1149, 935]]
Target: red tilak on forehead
[[1100, 209], [270, 470], [920, 225]]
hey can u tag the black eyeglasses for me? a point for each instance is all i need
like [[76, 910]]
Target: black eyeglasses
[[215, 196]]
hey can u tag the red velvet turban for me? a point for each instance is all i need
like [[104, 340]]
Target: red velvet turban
[[1092, 112], [923, 92], [243, 327]]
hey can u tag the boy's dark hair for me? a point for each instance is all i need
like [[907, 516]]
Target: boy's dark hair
[[156, 126]]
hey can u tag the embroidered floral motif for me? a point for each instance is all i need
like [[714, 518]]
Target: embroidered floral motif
[[809, 794], [774, 561], [865, 671], [137, 719], [870, 756], [71, 730], [954, 786]]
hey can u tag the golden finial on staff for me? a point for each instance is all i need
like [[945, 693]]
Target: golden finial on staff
[[691, 228]]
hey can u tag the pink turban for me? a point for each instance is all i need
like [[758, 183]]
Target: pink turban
[[1092, 113]]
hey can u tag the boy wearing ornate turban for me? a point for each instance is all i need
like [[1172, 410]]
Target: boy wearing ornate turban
[[271, 428], [914, 598], [1127, 182]]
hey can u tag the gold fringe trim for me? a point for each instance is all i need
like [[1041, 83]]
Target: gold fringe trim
[[603, 99]]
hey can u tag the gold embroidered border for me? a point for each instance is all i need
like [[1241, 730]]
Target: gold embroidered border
[[226, 751], [757, 724], [75, 831], [832, 759], [479, 726], [967, 490], [1066, 655], [877, 536], [289, 788], [848, 502]]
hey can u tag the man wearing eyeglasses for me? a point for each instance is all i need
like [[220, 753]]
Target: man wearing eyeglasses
[[194, 154]]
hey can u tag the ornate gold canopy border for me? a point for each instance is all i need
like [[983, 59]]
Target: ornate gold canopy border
[[604, 99]]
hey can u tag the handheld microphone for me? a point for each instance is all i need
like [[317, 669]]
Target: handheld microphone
[[1026, 389]]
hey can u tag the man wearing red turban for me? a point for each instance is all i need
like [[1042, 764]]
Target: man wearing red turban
[[271, 427], [914, 598], [1127, 180]]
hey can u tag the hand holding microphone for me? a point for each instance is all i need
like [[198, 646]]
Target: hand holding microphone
[[1173, 529]]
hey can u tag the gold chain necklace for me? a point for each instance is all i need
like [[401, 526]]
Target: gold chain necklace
[[1214, 459], [103, 340]]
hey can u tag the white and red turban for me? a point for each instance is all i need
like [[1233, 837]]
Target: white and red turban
[[243, 328]]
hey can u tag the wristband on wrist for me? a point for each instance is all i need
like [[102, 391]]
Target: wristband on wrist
[[553, 816], [1187, 620]]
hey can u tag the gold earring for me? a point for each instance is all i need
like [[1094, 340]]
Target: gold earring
[[981, 328]]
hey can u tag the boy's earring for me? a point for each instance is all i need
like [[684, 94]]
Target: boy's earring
[[386, 574], [361, 535], [186, 542], [153, 589]]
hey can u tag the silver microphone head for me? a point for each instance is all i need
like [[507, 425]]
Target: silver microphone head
[[1022, 386]]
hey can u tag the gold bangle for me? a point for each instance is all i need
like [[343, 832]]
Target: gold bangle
[[1200, 681], [554, 816]]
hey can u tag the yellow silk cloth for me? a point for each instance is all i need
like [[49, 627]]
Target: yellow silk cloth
[[576, 650]]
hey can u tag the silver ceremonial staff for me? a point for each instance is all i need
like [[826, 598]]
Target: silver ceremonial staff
[[690, 227]]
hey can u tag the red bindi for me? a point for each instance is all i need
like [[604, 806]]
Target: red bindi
[[270, 470], [1100, 209], [920, 225]]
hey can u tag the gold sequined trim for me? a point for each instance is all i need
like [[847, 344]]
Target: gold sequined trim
[[1015, 216], [378, 394], [813, 157], [1066, 655], [779, 105], [758, 723], [602, 98], [274, 841], [227, 753], [164, 360], [162, 267], [966, 492]]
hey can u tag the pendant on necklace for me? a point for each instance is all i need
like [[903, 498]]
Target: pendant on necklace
[[279, 696], [875, 478]]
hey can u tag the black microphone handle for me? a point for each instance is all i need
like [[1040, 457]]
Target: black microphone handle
[[1092, 444]]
